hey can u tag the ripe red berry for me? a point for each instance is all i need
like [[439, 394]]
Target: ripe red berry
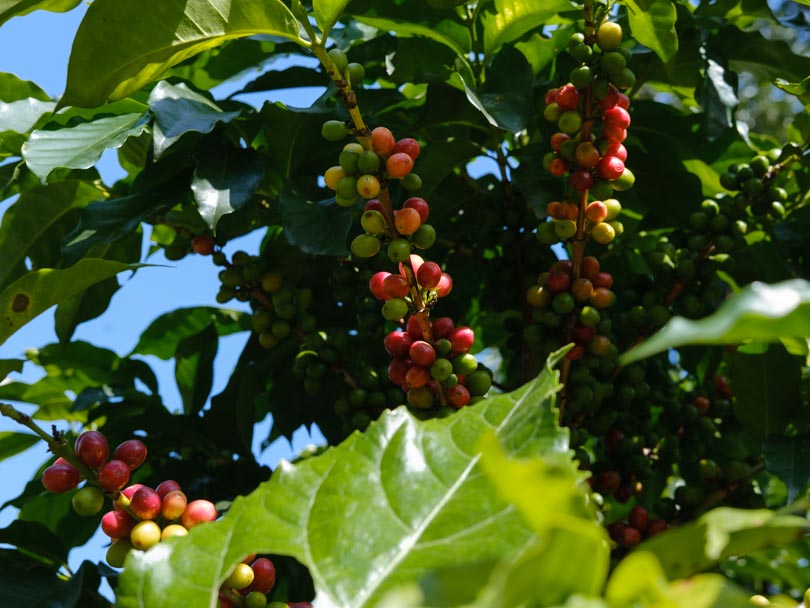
[[399, 165], [173, 505], [429, 275], [617, 150], [608, 482], [656, 526], [416, 377], [60, 477], [568, 97], [92, 449], [611, 99], [442, 327], [603, 279], [264, 576], [113, 476], [117, 524], [398, 368], [624, 101], [382, 141], [583, 334], [164, 487], [396, 286], [557, 282], [589, 267], [145, 503], [616, 118], [373, 205], [132, 452], [375, 285], [551, 96], [407, 220], [458, 396], [558, 167], [576, 353], [558, 139], [702, 404], [445, 285], [197, 512], [398, 343], [407, 145], [614, 136], [629, 537], [581, 180], [639, 518], [202, 244], [610, 168], [462, 339], [596, 212], [413, 328], [420, 205], [422, 353]]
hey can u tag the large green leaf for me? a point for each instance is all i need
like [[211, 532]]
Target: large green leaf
[[17, 118], [35, 538], [194, 368], [316, 227], [513, 18], [12, 444], [179, 110], [38, 290], [78, 147], [406, 29], [225, 180], [799, 89], [14, 8], [36, 219], [757, 312], [165, 333], [327, 12], [379, 510], [789, 459], [719, 534], [507, 92], [653, 25], [146, 47], [14, 88]]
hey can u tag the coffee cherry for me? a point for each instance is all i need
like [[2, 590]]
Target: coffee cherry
[[567, 98], [396, 286], [145, 503], [117, 524], [368, 186], [422, 353], [596, 212], [610, 168], [570, 122], [132, 452], [373, 222], [420, 205], [587, 155], [582, 180], [88, 501], [462, 339], [197, 512], [173, 530], [92, 449], [254, 599], [202, 244], [60, 477], [629, 537], [382, 141], [441, 369], [616, 118], [365, 245], [638, 518], [113, 476], [603, 233], [398, 165], [429, 275], [264, 576], [609, 36], [411, 182], [375, 285], [173, 505], [334, 130], [240, 577], [625, 181], [424, 237], [398, 343], [407, 145], [416, 377], [458, 396], [407, 220], [613, 135], [395, 309], [340, 60], [445, 285], [332, 177], [145, 535]]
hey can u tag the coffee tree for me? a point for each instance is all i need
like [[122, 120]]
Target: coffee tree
[[535, 270]]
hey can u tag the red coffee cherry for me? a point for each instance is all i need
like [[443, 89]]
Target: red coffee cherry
[[60, 477], [445, 285], [429, 275], [198, 512], [420, 205], [639, 518], [617, 150], [113, 476], [396, 286], [375, 285], [610, 168], [558, 139], [164, 487], [398, 368], [416, 377], [92, 449], [462, 339], [407, 220], [132, 452], [568, 97], [407, 145], [458, 396], [117, 524], [399, 165], [442, 327], [145, 503], [202, 244], [581, 180], [422, 353], [398, 343], [173, 505], [382, 141], [264, 575], [616, 118]]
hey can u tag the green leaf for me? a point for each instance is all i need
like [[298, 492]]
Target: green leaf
[[194, 368], [17, 119], [719, 534], [225, 180], [145, 48], [319, 228], [14, 88], [164, 334], [513, 18], [413, 491], [179, 110], [406, 29], [719, 100], [10, 365], [12, 444], [38, 290], [799, 89], [78, 147], [14, 8], [789, 459], [327, 12], [758, 312], [37, 221], [34, 537], [652, 23], [767, 390], [507, 92]]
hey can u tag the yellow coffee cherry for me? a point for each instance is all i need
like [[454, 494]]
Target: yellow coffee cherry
[[368, 186], [332, 176]]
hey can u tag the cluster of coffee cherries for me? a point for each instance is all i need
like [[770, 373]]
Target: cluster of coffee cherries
[[410, 229], [249, 583], [595, 164], [279, 310], [754, 183], [600, 225], [361, 172], [638, 526], [573, 304], [103, 474]]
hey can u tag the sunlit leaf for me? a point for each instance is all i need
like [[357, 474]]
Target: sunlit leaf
[[652, 23]]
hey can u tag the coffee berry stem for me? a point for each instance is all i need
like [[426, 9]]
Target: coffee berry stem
[[388, 211], [56, 440], [235, 598]]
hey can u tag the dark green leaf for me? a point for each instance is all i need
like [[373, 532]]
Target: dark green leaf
[[767, 390], [799, 89], [38, 290], [164, 334], [718, 99], [10, 365], [407, 29], [38, 219], [145, 48], [765, 59], [194, 368], [652, 23], [179, 110], [12, 444], [14, 8], [225, 179], [789, 459], [319, 228], [78, 147], [36, 538], [758, 312], [513, 18], [507, 92], [312, 510]]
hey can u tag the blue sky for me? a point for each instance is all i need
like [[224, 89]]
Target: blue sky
[[37, 47]]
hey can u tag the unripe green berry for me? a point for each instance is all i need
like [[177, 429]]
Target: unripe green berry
[[334, 130], [340, 60]]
